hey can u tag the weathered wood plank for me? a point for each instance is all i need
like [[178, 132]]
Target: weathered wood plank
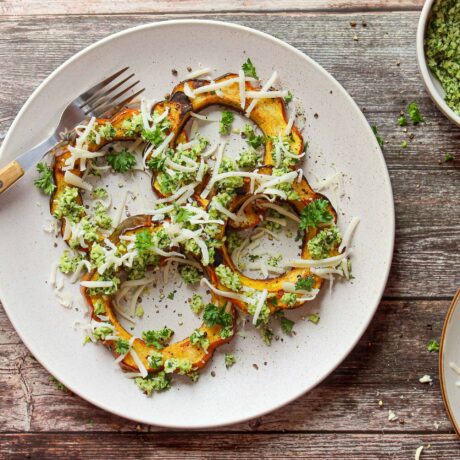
[[228, 446], [426, 198], [34, 7], [367, 68], [385, 365], [387, 362]]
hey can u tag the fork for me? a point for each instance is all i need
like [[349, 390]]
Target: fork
[[104, 98]]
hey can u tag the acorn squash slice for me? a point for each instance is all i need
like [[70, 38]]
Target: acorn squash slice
[[268, 114], [182, 350], [274, 285]]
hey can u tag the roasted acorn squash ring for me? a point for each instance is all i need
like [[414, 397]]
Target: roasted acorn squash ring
[[274, 286], [181, 350], [268, 114]]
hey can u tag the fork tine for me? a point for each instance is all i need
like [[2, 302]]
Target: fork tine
[[106, 102], [90, 92], [110, 111], [104, 92]]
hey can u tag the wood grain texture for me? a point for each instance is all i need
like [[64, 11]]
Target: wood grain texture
[[341, 418], [228, 446], [385, 365], [37, 7]]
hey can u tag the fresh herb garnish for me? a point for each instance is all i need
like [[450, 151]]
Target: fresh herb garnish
[[448, 157], [306, 283], [251, 137], [230, 360], [314, 318], [143, 241], [379, 138], [433, 345], [200, 339], [267, 335], [122, 346], [156, 382], [214, 315], [414, 113], [317, 212], [226, 122], [286, 325], [121, 162], [158, 339], [45, 182], [402, 120], [57, 383], [289, 97], [249, 69]]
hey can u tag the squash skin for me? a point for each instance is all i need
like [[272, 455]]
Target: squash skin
[[183, 349]]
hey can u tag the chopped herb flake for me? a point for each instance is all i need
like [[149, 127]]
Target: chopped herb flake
[[433, 345], [249, 69]]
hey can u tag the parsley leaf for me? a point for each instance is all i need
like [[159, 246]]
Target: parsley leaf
[[379, 138], [122, 161], [314, 318], [289, 97], [226, 122], [433, 345], [306, 283], [214, 315], [286, 325], [158, 339], [251, 137], [402, 120], [45, 182], [267, 335], [448, 157], [249, 69], [122, 346], [317, 212], [414, 113]]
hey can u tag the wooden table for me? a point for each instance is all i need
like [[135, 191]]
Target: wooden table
[[342, 418]]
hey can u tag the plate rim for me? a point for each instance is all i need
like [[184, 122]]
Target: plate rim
[[455, 303], [379, 158]]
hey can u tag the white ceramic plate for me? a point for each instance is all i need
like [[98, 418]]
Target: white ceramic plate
[[340, 140], [450, 353]]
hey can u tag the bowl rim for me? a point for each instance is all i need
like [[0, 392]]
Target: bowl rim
[[442, 380], [427, 76]]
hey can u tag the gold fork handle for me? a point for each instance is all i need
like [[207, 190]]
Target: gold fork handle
[[9, 175]]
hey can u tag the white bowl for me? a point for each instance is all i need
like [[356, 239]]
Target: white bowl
[[432, 84]]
